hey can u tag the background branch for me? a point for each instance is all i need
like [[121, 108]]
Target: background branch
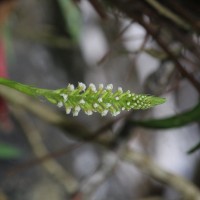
[[55, 169], [144, 163], [137, 11]]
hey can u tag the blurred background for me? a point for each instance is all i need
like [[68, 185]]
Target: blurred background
[[49, 44]]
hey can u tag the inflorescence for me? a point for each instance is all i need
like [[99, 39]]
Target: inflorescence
[[102, 100]]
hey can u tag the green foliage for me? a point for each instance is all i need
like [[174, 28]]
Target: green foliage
[[175, 121], [8, 152], [72, 18], [91, 99]]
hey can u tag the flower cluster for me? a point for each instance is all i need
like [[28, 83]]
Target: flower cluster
[[102, 100]]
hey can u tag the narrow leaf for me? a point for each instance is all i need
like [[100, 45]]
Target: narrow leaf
[[8, 151]]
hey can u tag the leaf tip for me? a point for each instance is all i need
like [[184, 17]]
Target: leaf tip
[[157, 101]]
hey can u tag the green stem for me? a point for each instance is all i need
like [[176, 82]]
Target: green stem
[[26, 89]]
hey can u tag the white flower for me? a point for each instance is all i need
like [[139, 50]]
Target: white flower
[[68, 110], [100, 100], [65, 97], [96, 105], [60, 104], [109, 87], [116, 113], [117, 98], [104, 113], [75, 113], [88, 112], [82, 101], [70, 87], [100, 86], [92, 87], [108, 105], [82, 86], [120, 90], [77, 108]]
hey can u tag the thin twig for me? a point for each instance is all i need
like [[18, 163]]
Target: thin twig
[[128, 8], [70, 184], [114, 42], [99, 8], [109, 163], [144, 163], [169, 14], [171, 55]]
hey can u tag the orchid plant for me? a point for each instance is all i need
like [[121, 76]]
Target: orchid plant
[[89, 99]]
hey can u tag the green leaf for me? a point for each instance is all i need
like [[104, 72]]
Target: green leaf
[[185, 118], [192, 115], [8, 151], [72, 18]]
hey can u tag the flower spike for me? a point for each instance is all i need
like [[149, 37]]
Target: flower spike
[[93, 99], [89, 99]]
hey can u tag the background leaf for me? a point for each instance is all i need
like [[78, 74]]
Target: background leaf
[[72, 18], [9, 152]]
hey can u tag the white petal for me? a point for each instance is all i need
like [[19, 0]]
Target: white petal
[[88, 112], [60, 104], [70, 87], [75, 113], [100, 86], [120, 90], [100, 100], [68, 110], [82, 86], [108, 105], [109, 87], [104, 113], [77, 108], [96, 105], [92, 87], [116, 113], [65, 97], [82, 101]]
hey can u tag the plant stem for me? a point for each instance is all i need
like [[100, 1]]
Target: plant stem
[[26, 89]]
